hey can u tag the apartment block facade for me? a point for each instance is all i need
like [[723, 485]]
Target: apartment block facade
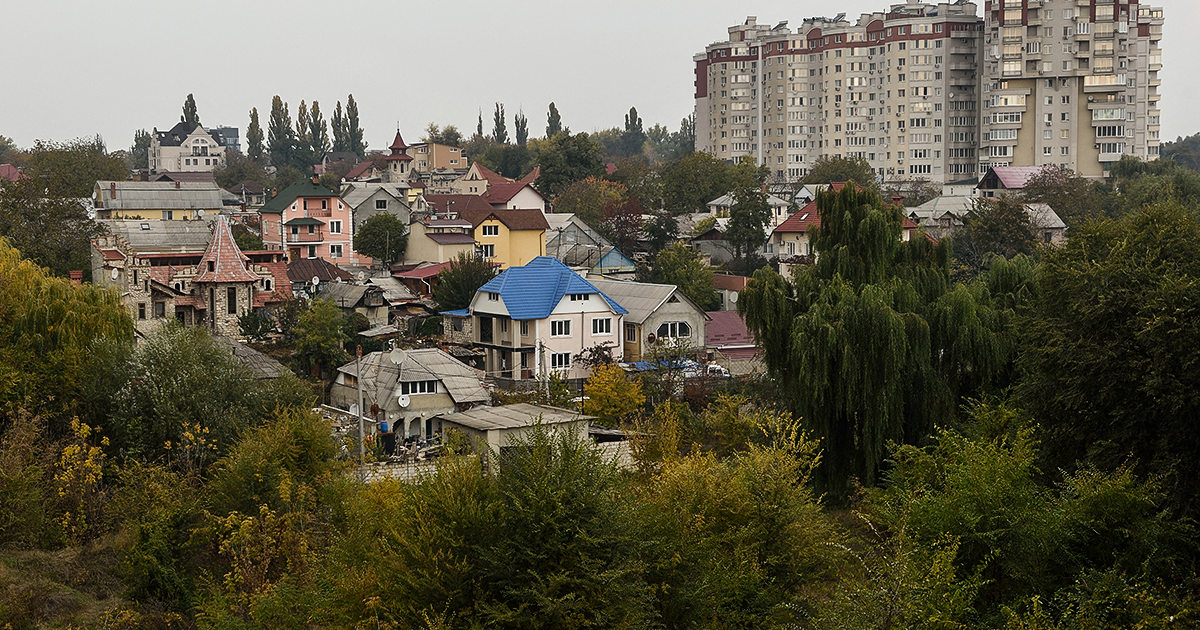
[[919, 90]]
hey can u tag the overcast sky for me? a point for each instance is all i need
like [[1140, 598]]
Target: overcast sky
[[76, 68]]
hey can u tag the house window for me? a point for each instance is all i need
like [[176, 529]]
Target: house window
[[267, 285], [312, 251], [503, 325], [335, 251], [524, 329], [160, 309], [381, 204], [419, 387], [494, 297], [324, 204], [487, 251], [602, 326], [674, 330], [231, 300], [579, 297], [560, 360], [630, 333], [168, 215], [491, 230], [211, 265], [141, 311], [560, 328], [335, 227]]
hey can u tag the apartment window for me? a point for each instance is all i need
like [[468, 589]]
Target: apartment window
[[381, 204], [491, 230], [487, 251], [579, 297], [231, 301], [674, 330], [560, 328], [560, 360], [602, 326], [335, 251], [335, 227], [324, 204], [1047, 134]]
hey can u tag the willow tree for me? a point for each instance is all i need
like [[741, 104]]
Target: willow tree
[[872, 343]]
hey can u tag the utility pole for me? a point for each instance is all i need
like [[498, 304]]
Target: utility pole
[[362, 445]]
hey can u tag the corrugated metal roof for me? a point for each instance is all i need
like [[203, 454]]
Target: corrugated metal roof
[[148, 236], [359, 193], [382, 377], [532, 291], [641, 299], [514, 416], [158, 195]]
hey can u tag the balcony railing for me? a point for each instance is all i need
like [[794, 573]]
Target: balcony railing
[[304, 237]]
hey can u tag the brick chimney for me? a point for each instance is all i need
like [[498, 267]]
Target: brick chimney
[[112, 190], [316, 179], [176, 185], [76, 277]]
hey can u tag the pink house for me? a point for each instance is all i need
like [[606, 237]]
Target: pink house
[[308, 220]]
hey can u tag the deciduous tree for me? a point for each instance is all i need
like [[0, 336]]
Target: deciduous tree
[[622, 223], [692, 182], [139, 153], [254, 138], [383, 237], [827, 170], [610, 395], [71, 169], [458, 282], [682, 267], [566, 159], [499, 127], [1073, 198], [587, 199], [319, 337]]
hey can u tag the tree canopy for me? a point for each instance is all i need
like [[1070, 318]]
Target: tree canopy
[[189, 111], [565, 159], [383, 236], [827, 170], [458, 282], [683, 267]]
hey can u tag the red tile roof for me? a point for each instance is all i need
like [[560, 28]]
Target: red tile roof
[[532, 176], [10, 173], [500, 193], [359, 169], [422, 273], [192, 301], [492, 176], [398, 143], [804, 220], [262, 298], [727, 330], [227, 261], [279, 270], [461, 204], [512, 219], [112, 254], [1014, 177]]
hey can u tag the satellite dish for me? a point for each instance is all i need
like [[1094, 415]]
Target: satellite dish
[[115, 273], [733, 297], [404, 400], [316, 281], [651, 338], [396, 356], [361, 276]]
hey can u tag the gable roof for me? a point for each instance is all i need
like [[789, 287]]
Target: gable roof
[[183, 176], [641, 299], [226, 259], [726, 329], [156, 236], [302, 188], [10, 173], [162, 195], [727, 201], [503, 192], [175, 136], [359, 193], [443, 204], [491, 176], [534, 290], [803, 220], [1011, 177], [343, 294], [531, 176], [512, 219], [359, 170], [380, 376], [302, 271]]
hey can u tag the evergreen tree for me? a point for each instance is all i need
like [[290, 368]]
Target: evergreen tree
[[318, 133], [871, 343], [499, 129], [340, 129], [521, 124], [354, 132], [553, 122], [189, 111], [140, 151], [281, 139], [254, 137], [458, 282]]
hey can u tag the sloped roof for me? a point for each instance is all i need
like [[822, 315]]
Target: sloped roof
[[936, 208], [532, 291], [175, 136], [641, 299], [491, 176], [342, 294], [531, 176], [361, 192], [283, 285], [1042, 216], [512, 219], [727, 201], [303, 270], [398, 143], [248, 185], [504, 191], [228, 261], [803, 220], [462, 204], [10, 173], [729, 283], [263, 366], [359, 169], [381, 376], [450, 239], [154, 236], [727, 330], [158, 195], [302, 188], [184, 176], [393, 289], [1014, 177]]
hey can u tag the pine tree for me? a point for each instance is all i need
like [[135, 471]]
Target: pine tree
[[318, 133], [499, 129], [189, 111], [281, 137], [254, 137], [354, 133], [521, 124], [341, 132], [553, 122]]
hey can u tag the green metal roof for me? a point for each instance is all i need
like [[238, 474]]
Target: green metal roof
[[305, 221], [302, 188]]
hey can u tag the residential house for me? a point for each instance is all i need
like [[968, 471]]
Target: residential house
[[577, 244], [477, 180], [658, 315], [729, 287], [431, 156], [10, 173], [302, 273], [1000, 180], [439, 240], [307, 220], [251, 193], [366, 300], [187, 146], [368, 199], [335, 158], [943, 215], [366, 171], [217, 289], [495, 429], [420, 278], [168, 201], [500, 191], [533, 319], [406, 388], [507, 237], [721, 206]]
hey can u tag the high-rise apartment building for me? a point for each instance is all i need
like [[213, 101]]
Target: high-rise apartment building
[[917, 91], [1072, 83]]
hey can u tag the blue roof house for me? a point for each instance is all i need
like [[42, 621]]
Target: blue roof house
[[533, 320]]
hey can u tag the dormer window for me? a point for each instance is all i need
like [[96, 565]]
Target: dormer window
[[579, 297], [494, 297], [211, 266]]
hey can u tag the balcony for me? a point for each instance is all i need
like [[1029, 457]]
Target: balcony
[[304, 237]]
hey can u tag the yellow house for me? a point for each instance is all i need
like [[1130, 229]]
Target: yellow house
[[167, 201], [510, 238]]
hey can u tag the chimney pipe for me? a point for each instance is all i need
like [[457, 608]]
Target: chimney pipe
[[112, 190], [176, 185], [316, 179]]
